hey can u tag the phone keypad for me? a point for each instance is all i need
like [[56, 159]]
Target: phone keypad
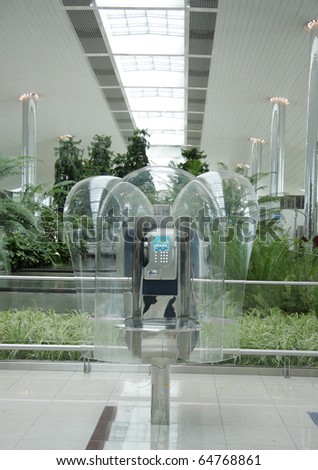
[[161, 257]]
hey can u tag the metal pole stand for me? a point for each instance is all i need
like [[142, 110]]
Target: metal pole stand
[[160, 392]]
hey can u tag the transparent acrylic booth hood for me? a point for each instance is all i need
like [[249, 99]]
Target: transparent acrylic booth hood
[[161, 243]]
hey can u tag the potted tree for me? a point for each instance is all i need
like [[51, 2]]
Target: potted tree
[[100, 156], [68, 167], [193, 161], [136, 155]]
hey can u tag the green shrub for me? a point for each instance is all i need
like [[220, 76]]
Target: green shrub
[[260, 329], [276, 330], [281, 260], [44, 327]]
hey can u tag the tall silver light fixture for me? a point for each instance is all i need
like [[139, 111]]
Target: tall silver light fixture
[[277, 150], [256, 157], [311, 228], [29, 138]]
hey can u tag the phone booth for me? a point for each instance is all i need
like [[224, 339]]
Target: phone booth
[[164, 295]]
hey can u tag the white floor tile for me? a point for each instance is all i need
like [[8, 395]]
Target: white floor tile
[[258, 437], [60, 410], [241, 390], [195, 414], [113, 445], [251, 415], [12, 373], [197, 391], [138, 390], [30, 388], [85, 387], [141, 414], [280, 379], [69, 412], [21, 410], [142, 432], [118, 432], [60, 430], [50, 444], [297, 415], [237, 380], [140, 445], [124, 413], [49, 374], [313, 381], [14, 430], [293, 392], [190, 437], [135, 376], [206, 378], [305, 438], [7, 445], [7, 382]]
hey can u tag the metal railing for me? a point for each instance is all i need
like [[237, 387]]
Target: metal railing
[[286, 354], [86, 348], [110, 278]]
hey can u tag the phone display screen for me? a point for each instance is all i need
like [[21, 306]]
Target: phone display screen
[[161, 244]]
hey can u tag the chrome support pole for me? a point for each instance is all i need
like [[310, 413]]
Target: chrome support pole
[[256, 157], [311, 215], [136, 298], [184, 287], [286, 369], [29, 138], [87, 364], [160, 392], [277, 151]]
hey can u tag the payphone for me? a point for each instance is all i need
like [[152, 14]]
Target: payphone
[[160, 255], [159, 277], [159, 246], [161, 297]]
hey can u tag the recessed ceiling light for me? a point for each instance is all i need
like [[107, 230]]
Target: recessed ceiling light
[[311, 24], [65, 137], [29, 95], [243, 165], [279, 99]]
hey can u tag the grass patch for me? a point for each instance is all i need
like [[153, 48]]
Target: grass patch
[[273, 329], [277, 330], [44, 327]]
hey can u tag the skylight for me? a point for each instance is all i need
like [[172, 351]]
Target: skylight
[[156, 99], [147, 45]]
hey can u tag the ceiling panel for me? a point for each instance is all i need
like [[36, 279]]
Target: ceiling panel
[[241, 53], [201, 34], [203, 3], [124, 120], [115, 99], [77, 3], [198, 73], [194, 121], [104, 71], [87, 30]]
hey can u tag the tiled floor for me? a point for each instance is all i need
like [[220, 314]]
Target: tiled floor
[[59, 409]]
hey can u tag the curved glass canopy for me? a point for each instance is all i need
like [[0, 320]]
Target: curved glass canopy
[[80, 225], [164, 292]]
